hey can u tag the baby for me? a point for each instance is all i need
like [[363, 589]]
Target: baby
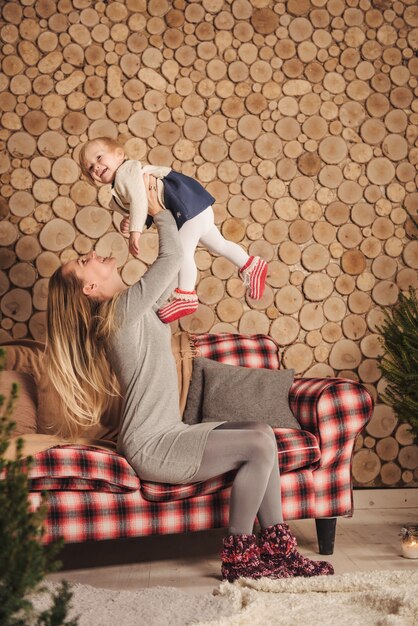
[[103, 160]]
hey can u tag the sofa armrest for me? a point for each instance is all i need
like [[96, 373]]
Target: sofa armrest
[[335, 410]]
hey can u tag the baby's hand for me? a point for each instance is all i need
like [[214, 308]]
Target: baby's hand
[[134, 243], [124, 226]]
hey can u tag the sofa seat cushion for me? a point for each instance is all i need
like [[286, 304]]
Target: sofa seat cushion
[[297, 449], [235, 349], [81, 468]]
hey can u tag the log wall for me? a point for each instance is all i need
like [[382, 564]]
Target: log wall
[[299, 116]]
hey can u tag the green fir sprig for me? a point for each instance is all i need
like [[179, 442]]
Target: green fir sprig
[[24, 560], [399, 363]]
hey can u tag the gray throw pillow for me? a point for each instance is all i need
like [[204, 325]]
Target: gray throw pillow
[[220, 392]]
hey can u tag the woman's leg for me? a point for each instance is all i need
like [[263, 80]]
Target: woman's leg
[[249, 447], [184, 300]]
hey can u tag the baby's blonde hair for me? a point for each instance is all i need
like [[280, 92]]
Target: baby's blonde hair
[[109, 143]]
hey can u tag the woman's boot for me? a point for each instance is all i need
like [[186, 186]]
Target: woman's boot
[[241, 558], [278, 549]]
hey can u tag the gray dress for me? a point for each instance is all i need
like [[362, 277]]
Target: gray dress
[[154, 440]]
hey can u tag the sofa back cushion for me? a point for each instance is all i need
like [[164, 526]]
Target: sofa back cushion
[[235, 349], [219, 392], [25, 406], [25, 356]]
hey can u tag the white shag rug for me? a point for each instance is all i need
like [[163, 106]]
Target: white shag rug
[[379, 598]]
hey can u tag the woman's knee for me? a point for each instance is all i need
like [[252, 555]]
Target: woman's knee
[[264, 428], [262, 447], [245, 441]]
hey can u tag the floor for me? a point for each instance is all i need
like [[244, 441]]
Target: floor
[[367, 541]]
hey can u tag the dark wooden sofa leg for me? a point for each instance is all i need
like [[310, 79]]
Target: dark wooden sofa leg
[[325, 530]]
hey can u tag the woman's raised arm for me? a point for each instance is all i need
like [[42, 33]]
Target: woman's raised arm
[[161, 275]]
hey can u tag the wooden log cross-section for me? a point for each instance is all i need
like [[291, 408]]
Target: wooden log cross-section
[[299, 117]]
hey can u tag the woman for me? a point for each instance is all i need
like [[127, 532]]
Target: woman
[[93, 320]]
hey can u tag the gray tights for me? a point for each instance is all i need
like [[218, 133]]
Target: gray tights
[[250, 448]]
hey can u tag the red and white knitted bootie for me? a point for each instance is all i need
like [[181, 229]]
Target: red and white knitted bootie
[[182, 303], [254, 273], [278, 548], [241, 558]]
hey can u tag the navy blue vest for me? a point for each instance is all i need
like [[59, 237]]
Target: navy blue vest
[[185, 197]]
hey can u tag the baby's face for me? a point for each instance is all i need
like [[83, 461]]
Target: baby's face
[[102, 162]]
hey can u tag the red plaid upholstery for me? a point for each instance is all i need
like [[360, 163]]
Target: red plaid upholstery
[[82, 516], [335, 410], [244, 350], [315, 484], [297, 448], [81, 468], [165, 492]]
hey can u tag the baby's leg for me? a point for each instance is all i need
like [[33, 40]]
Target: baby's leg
[[184, 300], [190, 234], [214, 241], [253, 270]]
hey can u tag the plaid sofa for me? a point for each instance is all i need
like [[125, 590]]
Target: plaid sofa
[[94, 494]]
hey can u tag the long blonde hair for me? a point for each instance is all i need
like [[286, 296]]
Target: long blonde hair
[[77, 363], [109, 143]]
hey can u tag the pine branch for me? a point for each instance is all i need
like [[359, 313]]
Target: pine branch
[[24, 560], [399, 363], [57, 613]]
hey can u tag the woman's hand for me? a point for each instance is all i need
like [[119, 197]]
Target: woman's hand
[[134, 243], [124, 227], [154, 205]]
